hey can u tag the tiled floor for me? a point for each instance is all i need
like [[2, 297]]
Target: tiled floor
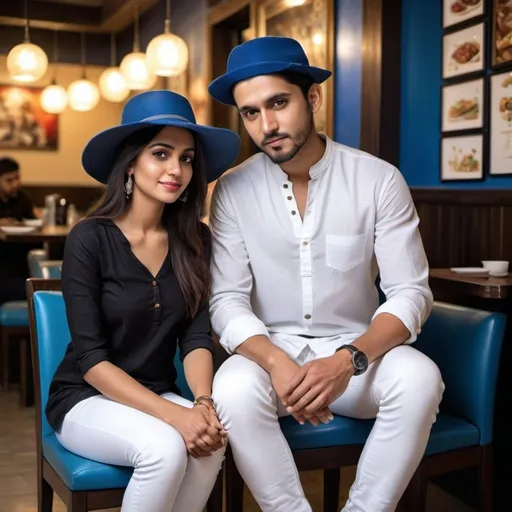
[[18, 470]]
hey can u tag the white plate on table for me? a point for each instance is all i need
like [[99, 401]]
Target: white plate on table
[[17, 230], [33, 222], [471, 271]]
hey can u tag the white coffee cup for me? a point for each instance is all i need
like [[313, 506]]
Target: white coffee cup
[[496, 268]]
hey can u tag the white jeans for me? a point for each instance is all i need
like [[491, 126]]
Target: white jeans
[[402, 390], [165, 477]]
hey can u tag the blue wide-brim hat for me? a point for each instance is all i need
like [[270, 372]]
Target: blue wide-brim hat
[[220, 146], [263, 56]]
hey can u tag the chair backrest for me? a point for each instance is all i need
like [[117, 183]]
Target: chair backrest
[[34, 257], [50, 337], [466, 343], [50, 269]]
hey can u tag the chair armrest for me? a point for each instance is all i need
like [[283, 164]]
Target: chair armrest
[[466, 344]]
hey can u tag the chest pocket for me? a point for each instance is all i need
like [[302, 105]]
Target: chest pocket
[[345, 252]]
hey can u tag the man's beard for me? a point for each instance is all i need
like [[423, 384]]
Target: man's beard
[[298, 142]]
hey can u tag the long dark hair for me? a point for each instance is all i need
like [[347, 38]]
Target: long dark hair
[[189, 237]]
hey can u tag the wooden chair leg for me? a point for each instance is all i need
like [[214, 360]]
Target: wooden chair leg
[[215, 500], [331, 489], [415, 496], [23, 372], [485, 479], [77, 502], [234, 485], [4, 341], [44, 496]]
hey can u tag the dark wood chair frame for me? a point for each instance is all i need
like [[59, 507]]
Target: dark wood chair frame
[[8, 334], [48, 481], [331, 460]]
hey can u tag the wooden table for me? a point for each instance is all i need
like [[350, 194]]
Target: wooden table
[[483, 287], [492, 294], [53, 237]]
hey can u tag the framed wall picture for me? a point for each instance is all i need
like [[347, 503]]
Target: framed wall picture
[[312, 24], [502, 32], [500, 150], [23, 122], [457, 11], [463, 106], [464, 51], [462, 158]]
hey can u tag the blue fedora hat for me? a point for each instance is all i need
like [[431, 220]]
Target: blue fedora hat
[[159, 108], [263, 56]]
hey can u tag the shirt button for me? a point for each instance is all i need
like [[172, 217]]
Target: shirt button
[[307, 317], [157, 305], [154, 283], [293, 212], [289, 198], [285, 185], [305, 243]]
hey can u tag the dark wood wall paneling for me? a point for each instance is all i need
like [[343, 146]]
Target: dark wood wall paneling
[[464, 227], [380, 94], [82, 197]]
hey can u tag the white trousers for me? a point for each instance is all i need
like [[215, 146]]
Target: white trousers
[[165, 477], [402, 390]]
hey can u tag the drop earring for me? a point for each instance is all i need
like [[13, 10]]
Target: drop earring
[[128, 186]]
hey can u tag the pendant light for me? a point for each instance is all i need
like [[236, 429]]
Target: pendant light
[[133, 66], [54, 98], [112, 83], [27, 62], [167, 54], [83, 94]]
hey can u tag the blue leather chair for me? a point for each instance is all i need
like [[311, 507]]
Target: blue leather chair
[[14, 323], [50, 269], [34, 257], [465, 343], [81, 483]]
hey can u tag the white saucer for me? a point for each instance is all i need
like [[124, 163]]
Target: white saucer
[[504, 274], [471, 271], [17, 230]]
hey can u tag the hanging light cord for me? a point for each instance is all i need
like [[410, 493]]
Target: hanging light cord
[[55, 56], [27, 35], [136, 40], [83, 56], [168, 17], [112, 49]]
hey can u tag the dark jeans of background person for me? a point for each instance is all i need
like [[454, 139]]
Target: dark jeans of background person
[[14, 270]]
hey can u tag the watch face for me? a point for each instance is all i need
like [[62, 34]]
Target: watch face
[[360, 360]]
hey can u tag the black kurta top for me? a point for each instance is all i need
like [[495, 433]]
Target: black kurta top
[[118, 312]]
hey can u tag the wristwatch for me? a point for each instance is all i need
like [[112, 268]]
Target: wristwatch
[[359, 359]]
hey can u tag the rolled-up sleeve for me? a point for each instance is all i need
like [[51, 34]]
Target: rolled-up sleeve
[[230, 304], [403, 265], [197, 334], [81, 288]]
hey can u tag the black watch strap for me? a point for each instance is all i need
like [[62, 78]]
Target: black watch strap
[[359, 359]]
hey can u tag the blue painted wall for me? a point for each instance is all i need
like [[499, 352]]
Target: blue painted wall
[[347, 72], [421, 99]]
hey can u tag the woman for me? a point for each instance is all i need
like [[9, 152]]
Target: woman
[[135, 281]]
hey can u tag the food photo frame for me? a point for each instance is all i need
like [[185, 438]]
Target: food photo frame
[[500, 140], [463, 157], [459, 11], [501, 22], [464, 51], [463, 106]]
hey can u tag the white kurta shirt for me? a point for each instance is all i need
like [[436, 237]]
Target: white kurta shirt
[[277, 275]]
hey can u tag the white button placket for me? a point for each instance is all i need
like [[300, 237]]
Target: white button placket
[[303, 231]]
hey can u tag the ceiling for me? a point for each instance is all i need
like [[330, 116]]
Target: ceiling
[[104, 16]]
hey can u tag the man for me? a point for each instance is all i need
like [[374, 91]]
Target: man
[[15, 205], [301, 231]]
